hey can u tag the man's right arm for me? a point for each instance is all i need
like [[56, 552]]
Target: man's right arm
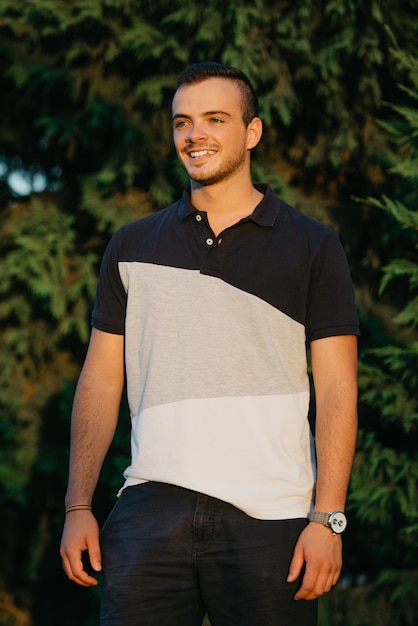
[[93, 423]]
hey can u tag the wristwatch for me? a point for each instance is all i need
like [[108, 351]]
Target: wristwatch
[[335, 520]]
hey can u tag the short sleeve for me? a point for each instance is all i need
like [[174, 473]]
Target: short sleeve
[[331, 306], [110, 305]]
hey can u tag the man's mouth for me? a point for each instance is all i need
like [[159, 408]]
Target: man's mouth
[[200, 153]]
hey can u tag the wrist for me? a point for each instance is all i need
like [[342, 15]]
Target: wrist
[[335, 520], [77, 507]]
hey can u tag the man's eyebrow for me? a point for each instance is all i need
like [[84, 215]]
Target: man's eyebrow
[[218, 113], [206, 114]]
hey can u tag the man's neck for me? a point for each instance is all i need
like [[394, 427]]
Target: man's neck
[[225, 204]]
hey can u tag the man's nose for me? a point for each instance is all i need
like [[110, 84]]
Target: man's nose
[[197, 132]]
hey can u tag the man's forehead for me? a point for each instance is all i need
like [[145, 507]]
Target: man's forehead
[[211, 93]]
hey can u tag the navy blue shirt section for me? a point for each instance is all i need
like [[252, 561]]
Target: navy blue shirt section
[[278, 254]]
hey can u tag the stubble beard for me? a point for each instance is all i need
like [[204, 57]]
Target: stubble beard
[[225, 171]]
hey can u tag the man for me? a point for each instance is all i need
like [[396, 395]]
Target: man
[[209, 304]]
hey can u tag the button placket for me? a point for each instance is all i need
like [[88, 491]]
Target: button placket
[[203, 229]]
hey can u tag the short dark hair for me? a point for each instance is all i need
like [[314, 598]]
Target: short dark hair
[[199, 72]]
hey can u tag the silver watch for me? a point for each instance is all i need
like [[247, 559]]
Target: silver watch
[[335, 520]]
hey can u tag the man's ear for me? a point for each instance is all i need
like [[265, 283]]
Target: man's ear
[[254, 132]]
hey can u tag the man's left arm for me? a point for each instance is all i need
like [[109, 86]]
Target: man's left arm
[[334, 370]]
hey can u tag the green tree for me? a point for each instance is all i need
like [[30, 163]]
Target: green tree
[[384, 486]]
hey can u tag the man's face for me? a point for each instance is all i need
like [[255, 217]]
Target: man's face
[[210, 137]]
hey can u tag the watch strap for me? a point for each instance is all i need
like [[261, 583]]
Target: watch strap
[[319, 517]]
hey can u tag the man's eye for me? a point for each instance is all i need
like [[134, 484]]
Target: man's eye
[[179, 123], [216, 120]]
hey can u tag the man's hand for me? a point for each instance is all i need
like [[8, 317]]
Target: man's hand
[[81, 533], [321, 553]]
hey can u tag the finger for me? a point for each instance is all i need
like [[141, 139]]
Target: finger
[[295, 566], [307, 590], [94, 554], [74, 569], [315, 583]]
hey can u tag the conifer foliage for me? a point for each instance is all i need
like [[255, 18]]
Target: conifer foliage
[[384, 485], [85, 146]]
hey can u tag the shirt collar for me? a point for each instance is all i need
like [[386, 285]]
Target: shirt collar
[[264, 214]]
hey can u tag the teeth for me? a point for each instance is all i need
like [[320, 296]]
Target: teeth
[[201, 153]]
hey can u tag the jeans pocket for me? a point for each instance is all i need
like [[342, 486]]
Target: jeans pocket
[[110, 517]]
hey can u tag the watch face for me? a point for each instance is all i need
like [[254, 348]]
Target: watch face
[[338, 522]]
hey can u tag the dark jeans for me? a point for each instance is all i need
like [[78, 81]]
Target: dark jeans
[[170, 555]]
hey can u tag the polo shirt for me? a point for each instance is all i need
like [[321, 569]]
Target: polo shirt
[[215, 348]]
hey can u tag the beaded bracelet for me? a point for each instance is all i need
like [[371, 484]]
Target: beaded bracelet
[[78, 507]]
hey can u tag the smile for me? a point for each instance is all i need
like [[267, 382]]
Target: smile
[[199, 153]]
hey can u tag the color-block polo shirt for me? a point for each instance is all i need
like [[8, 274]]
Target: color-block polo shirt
[[215, 347]]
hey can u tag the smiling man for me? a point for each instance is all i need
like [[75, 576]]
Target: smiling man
[[229, 507], [213, 144], [215, 128]]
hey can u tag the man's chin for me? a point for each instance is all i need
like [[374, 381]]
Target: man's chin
[[206, 181]]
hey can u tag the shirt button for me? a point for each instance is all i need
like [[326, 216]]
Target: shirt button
[[198, 218], [209, 241]]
